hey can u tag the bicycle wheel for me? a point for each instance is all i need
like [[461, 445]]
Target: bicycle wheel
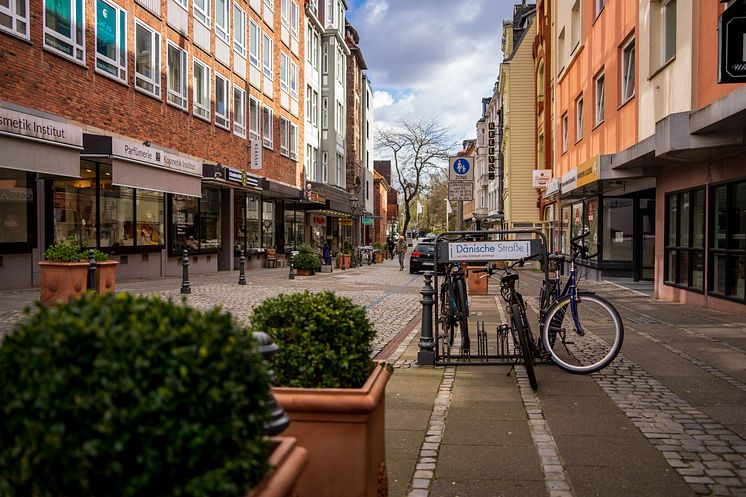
[[463, 315], [595, 345], [446, 313], [524, 342]]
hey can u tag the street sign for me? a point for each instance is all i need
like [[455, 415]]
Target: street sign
[[461, 169], [461, 190], [489, 251]]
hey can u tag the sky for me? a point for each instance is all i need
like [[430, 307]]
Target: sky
[[431, 59]]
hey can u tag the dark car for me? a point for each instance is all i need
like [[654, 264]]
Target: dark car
[[423, 257]]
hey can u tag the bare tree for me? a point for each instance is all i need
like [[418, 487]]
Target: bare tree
[[434, 194], [416, 147]]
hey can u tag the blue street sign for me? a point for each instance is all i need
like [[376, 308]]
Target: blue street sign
[[461, 166]]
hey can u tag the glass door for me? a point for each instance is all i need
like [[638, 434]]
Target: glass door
[[645, 263]]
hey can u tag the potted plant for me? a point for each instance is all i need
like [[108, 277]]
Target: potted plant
[[112, 395], [63, 273], [106, 272], [344, 258], [307, 262], [378, 255], [331, 389]]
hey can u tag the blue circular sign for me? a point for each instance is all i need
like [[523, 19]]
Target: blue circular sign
[[461, 166]]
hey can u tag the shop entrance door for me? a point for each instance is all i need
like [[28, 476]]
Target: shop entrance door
[[645, 240]]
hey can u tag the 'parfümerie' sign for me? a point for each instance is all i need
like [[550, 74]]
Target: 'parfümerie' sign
[[27, 126], [138, 152]]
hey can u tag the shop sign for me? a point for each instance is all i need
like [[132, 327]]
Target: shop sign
[[368, 221], [240, 176], [256, 154], [345, 221], [553, 187], [732, 44], [28, 126], [569, 180], [312, 196], [138, 152], [587, 172], [541, 177], [491, 157], [182, 164]]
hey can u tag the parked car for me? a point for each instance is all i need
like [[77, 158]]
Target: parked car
[[422, 257]]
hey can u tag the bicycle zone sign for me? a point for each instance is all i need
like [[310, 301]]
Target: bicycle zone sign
[[503, 250]]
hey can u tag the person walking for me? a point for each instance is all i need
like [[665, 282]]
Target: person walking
[[401, 251], [392, 245]]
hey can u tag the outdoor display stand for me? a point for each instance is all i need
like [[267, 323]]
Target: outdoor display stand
[[492, 346]]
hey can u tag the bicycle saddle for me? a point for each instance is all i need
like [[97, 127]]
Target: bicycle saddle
[[509, 278]]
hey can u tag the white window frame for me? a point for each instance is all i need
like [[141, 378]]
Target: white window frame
[[267, 56], [627, 61], [324, 167], [223, 32], [324, 112], [239, 30], [310, 163], [223, 120], [119, 63], [324, 58], [179, 98], [339, 63], [239, 112], [202, 14], [600, 88], [201, 110], [255, 119], [255, 44], [155, 62], [55, 41], [293, 142], [284, 72], [668, 10], [579, 118], [16, 20], [284, 137], [294, 20], [565, 123], [267, 125], [294, 80], [285, 13]]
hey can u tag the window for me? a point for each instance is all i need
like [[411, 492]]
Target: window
[[222, 20], [147, 59], [64, 28], [628, 70], [564, 132], [340, 65], [293, 141], [18, 208], [728, 240], [575, 19], [600, 98], [294, 80], [684, 239], [600, 6], [284, 136], [324, 112], [324, 167], [618, 233], [239, 111], [285, 13], [201, 90], [239, 30], [284, 72], [294, 20], [561, 51], [202, 11], [339, 122], [325, 58], [268, 224], [177, 76], [267, 126], [310, 163], [111, 40], [222, 102], [196, 222], [247, 221], [255, 49], [669, 30], [268, 57], [14, 17], [254, 118], [312, 106], [340, 171], [579, 118]]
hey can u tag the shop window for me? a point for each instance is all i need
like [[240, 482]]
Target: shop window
[[565, 227], [74, 203], [147, 59], [111, 40], [239, 111], [684, 239], [17, 196], [294, 228], [246, 212], [196, 222], [149, 214], [618, 237], [177, 76], [255, 36], [64, 28], [14, 17], [209, 219], [268, 224], [239, 31], [727, 247], [222, 102], [201, 90], [222, 20], [118, 228], [590, 221]]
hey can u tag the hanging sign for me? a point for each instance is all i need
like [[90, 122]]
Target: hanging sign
[[541, 177], [732, 44]]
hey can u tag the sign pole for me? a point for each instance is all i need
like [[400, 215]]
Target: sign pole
[[460, 213]]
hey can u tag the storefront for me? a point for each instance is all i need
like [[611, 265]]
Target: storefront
[[329, 217]]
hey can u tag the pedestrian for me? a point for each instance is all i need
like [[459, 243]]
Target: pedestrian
[[401, 251], [392, 246]]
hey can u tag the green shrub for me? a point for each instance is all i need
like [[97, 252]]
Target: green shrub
[[346, 247], [325, 341], [64, 251], [307, 258], [123, 396]]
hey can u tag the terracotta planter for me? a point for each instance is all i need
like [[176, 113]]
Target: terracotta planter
[[344, 261], [304, 272], [287, 462], [378, 257], [343, 430], [61, 281], [476, 285], [106, 276]]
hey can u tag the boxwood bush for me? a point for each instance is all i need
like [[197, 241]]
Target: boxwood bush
[[325, 341], [307, 258], [116, 395]]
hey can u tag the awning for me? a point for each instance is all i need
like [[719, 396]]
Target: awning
[[36, 156], [134, 175]]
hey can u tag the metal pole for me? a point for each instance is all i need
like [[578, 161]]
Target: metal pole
[[426, 354], [241, 274], [91, 271], [185, 274], [291, 275], [278, 419], [460, 214]]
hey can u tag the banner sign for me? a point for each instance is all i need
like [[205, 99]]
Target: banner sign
[[553, 187], [489, 250], [587, 172]]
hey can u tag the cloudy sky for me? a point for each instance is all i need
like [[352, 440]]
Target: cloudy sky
[[431, 58]]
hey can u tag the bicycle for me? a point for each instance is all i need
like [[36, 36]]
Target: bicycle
[[454, 307]]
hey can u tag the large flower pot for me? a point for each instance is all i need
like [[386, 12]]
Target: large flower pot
[[344, 261], [61, 281], [378, 257], [304, 272], [476, 285], [286, 465], [343, 430], [106, 276]]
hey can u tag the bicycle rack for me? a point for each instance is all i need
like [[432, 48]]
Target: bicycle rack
[[500, 351]]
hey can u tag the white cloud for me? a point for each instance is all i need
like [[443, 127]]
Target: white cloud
[[382, 99]]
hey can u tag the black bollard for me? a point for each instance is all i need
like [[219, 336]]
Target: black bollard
[[279, 419], [426, 354], [91, 271], [291, 274], [185, 278], [241, 274]]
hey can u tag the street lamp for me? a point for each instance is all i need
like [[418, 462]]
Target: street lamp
[[355, 232]]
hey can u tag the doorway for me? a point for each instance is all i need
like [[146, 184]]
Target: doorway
[[645, 239]]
